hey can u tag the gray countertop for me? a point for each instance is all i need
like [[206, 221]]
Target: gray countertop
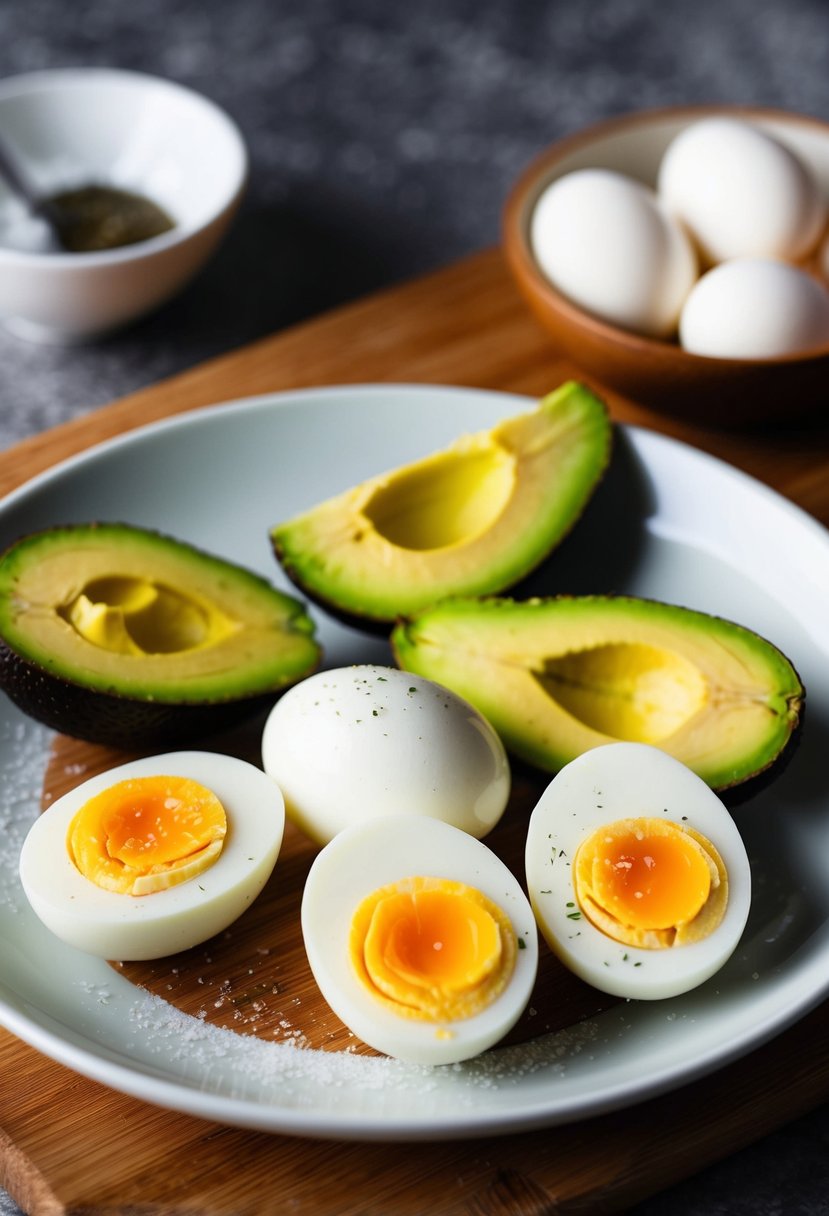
[[383, 140]]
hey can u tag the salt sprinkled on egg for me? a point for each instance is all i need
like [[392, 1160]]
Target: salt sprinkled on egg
[[637, 874], [357, 743]]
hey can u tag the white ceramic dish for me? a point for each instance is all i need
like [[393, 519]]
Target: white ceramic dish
[[669, 522], [153, 137]]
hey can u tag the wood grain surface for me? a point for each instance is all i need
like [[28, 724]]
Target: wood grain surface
[[71, 1146]]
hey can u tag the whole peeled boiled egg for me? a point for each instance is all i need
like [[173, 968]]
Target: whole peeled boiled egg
[[419, 937], [154, 856], [355, 743], [606, 242], [755, 308], [740, 191], [637, 873]]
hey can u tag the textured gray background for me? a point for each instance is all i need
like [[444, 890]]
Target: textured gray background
[[384, 136]]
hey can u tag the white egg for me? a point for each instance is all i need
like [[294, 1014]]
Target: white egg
[[614, 784], [121, 926], [606, 242], [359, 742], [740, 191], [755, 308], [372, 856]]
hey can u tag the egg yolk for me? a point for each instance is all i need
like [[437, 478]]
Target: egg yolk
[[650, 882], [432, 948], [147, 834]]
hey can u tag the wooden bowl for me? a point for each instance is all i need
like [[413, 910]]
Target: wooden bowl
[[659, 373]]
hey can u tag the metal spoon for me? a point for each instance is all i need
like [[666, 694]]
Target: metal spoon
[[35, 204]]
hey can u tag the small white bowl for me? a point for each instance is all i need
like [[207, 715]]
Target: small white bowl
[[152, 137]]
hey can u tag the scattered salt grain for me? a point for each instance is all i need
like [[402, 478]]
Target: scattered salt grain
[[25, 748]]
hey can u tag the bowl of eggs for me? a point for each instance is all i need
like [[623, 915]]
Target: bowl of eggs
[[680, 257], [124, 185]]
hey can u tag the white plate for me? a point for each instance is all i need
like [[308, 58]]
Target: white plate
[[669, 523]]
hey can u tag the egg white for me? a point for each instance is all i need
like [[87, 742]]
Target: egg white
[[371, 855], [355, 743], [620, 781], [127, 927]]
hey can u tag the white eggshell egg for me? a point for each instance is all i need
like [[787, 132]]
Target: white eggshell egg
[[606, 784], [606, 242], [755, 308], [359, 742], [740, 191], [119, 926], [372, 855]]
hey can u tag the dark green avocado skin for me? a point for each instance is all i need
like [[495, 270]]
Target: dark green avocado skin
[[736, 795], [116, 721], [375, 626]]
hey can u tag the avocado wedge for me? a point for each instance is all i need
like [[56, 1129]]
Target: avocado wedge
[[559, 676], [129, 638], [472, 519]]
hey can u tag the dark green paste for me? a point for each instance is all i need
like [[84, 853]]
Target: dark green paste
[[101, 217]]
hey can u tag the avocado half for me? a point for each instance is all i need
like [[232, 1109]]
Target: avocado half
[[130, 638], [559, 676], [472, 519]]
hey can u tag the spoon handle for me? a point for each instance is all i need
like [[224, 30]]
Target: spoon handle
[[10, 170], [22, 187]]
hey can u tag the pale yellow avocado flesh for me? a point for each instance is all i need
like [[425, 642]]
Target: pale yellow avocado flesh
[[471, 519], [557, 677], [128, 611]]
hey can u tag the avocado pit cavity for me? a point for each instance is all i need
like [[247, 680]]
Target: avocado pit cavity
[[629, 691], [136, 616], [446, 500]]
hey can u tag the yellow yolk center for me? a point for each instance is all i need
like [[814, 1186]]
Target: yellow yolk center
[[147, 834], [432, 948], [650, 882]]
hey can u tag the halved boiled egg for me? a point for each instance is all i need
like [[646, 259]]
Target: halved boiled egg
[[154, 856], [419, 937], [637, 874]]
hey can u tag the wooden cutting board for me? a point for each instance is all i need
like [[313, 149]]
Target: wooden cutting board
[[70, 1145]]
